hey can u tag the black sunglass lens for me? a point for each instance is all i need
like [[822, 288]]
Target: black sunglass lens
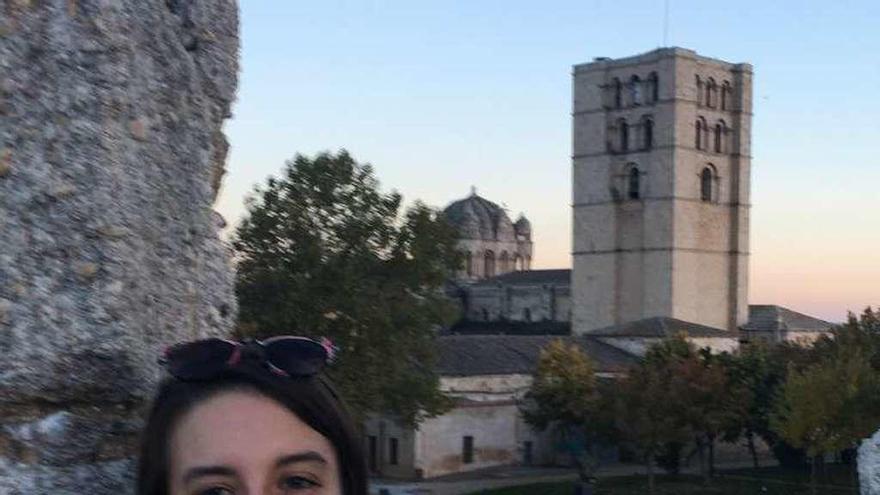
[[199, 360], [295, 356]]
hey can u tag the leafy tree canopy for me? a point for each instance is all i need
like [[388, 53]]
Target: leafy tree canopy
[[324, 252]]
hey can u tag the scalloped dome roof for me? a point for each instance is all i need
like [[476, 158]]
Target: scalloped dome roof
[[522, 225], [476, 217]]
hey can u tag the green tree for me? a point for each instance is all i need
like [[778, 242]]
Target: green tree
[[751, 368], [323, 252], [708, 401], [831, 399], [648, 416], [565, 396], [829, 406]]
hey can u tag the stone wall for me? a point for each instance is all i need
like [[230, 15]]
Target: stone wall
[[519, 302], [111, 154]]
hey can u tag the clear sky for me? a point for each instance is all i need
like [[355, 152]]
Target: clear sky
[[443, 95]]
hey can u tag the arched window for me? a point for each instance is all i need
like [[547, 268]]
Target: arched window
[[711, 90], [489, 264], [504, 260], [469, 263], [699, 91], [653, 87], [647, 133], [527, 314], [634, 179], [623, 130], [618, 93], [707, 180], [720, 129], [517, 262], [701, 130], [635, 90], [725, 96]]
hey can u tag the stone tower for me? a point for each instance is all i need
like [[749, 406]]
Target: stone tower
[[661, 163]]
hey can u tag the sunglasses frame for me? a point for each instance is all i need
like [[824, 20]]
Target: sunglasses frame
[[238, 348]]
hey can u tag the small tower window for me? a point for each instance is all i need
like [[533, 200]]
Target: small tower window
[[623, 129], [647, 133], [635, 90], [719, 137], [634, 180], [469, 263], [701, 130], [711, 93], [725, 96], [699, 91], [653, 87], [707, 179], [618, 93]]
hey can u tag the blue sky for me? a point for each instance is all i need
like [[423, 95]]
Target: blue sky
[[439, 96]]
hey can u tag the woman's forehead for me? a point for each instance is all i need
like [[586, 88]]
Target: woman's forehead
[[242, 427]]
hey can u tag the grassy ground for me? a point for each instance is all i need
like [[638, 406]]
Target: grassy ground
[[767, 481]]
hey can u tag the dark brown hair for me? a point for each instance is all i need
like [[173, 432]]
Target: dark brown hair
[[313, 400]]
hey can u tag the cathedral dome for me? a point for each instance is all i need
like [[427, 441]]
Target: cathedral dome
[[478, 218]]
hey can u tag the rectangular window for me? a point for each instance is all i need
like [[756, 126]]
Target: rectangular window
[[392, 451], [467, 450]]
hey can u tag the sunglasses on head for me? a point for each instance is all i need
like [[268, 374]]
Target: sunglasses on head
[[284, 356]]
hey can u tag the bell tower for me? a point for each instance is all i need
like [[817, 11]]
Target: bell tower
[[660, 166]]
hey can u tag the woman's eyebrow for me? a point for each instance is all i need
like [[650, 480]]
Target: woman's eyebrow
[[309, 456], [198, 472]]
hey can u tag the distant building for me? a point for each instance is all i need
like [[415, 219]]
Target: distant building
[[491, 243], [488, 375], [661, 177], [661, 166]]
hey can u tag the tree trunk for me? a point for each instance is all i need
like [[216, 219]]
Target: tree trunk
[[813, 474], [751, 439], [711, 457], [701, 454]]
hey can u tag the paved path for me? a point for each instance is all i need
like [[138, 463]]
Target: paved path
[[466, 483]]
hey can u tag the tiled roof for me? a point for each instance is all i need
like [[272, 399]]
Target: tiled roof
[[772, 318], [465, 355], [476, 217], [469, 327], [531, 277], [660, 327]]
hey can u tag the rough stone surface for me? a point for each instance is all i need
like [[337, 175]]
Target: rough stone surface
[[111, 153], [869, 465]]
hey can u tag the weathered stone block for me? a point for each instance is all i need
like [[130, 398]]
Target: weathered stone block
[[110, 156]]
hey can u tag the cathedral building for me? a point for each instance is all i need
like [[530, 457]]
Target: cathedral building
[[491, 243], [660, 202]]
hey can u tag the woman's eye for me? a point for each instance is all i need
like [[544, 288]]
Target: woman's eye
[[297, 483], [216, 490]]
